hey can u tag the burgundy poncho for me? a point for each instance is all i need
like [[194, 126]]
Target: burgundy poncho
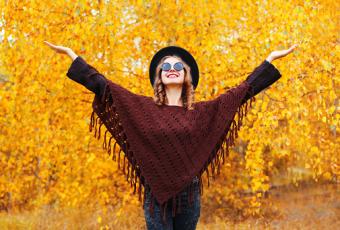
[[165, 147], [168, 145]]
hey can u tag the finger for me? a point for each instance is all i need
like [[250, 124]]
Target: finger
[[288, 51], [51, 45], [46, 42], [293, 46]]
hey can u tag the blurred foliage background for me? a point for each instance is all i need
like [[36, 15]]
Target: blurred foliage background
[[49, 159]]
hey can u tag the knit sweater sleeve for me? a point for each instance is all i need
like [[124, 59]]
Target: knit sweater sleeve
[[262, 77], [87, 75], [259, 79]]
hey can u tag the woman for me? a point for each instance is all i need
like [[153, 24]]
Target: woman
[[182, 138]]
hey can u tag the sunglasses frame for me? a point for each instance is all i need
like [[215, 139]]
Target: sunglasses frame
[[174, 66]]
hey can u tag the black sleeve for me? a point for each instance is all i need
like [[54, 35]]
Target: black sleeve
[[87, 75], [262, 77]]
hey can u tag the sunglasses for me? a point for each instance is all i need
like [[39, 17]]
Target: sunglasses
[[177, 66]]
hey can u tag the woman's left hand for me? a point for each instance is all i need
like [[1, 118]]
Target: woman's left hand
[[281, 53]]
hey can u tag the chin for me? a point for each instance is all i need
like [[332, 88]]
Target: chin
[[173, 84], [167, 81]]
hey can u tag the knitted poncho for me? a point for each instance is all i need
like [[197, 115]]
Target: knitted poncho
[[167, 146]]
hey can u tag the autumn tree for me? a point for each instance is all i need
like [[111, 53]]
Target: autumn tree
[[48, 155]]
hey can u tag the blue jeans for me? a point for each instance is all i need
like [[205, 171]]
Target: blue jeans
[[185, 220]]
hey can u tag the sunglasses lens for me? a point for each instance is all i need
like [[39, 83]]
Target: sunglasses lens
[[178, 66], [166, 66]]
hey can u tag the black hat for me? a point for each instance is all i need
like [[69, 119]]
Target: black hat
[[184, 54]]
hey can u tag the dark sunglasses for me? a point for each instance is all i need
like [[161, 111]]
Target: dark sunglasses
[[177, 66]]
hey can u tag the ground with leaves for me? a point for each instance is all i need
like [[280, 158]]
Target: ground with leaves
[[305, 207]]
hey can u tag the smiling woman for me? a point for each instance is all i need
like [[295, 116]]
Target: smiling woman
[[166, 147], [173, 83]]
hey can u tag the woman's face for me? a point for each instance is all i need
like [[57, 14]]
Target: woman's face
[[172, 76]]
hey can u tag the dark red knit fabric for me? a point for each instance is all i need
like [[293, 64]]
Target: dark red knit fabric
[[167, 146]]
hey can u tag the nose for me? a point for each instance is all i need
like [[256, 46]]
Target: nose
[[172, 69]]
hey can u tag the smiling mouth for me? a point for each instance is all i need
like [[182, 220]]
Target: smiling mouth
[[172, 76]]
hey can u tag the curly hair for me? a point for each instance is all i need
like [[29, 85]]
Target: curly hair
[[188, 92]]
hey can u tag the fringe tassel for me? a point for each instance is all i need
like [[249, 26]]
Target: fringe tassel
[[207, 171], [164, 207], [95, 128], [109, 145], [119, 158], [114, 152], [201, 185], [124, 165], [134, 188], [179, 204], [104, 143], [212, 167], [91, 121], [174, 206], [140, 190], [129, 176], [100, 125]]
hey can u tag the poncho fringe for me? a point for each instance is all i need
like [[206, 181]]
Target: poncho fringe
[[127, 162]]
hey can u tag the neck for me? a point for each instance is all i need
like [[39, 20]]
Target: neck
[[173, 95]]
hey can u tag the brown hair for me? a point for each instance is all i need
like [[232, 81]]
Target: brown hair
[[188, 92]]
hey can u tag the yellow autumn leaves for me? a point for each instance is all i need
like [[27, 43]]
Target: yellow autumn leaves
[[49, 157]]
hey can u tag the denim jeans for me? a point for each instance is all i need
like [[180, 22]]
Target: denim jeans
[[185, 220]]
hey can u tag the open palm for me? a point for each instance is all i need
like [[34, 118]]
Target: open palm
[[281, 53], [58, 49]]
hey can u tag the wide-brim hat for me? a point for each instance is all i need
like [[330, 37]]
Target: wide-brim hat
[[174, 50]]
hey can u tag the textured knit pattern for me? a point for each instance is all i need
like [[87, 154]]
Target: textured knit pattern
[[164, 146]]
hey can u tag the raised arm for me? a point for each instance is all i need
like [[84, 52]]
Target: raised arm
[[262, 77], [266, 73], [88, 76], [81, 72]]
